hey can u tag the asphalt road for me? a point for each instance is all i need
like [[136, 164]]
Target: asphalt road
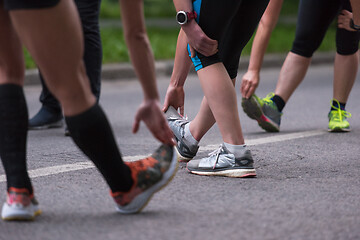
[[307, 185]]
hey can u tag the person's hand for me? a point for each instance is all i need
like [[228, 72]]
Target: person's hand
[[249, 83], [150, 113], [174, 97], [199, 41], [344, 20]]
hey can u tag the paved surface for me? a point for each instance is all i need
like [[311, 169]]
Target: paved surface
[[307, 185]]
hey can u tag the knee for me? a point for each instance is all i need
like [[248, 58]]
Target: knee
[[347, 43], [304, 48]]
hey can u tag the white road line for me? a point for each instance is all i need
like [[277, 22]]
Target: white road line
[[46, 171]]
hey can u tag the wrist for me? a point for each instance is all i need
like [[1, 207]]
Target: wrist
[[354, 26], [183, 17], [254, 71]]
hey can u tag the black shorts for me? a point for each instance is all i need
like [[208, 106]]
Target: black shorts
[[314, 19], [28, 4], [231, 23]]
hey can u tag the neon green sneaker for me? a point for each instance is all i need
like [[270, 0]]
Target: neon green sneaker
[[337, 119], [264, 111]]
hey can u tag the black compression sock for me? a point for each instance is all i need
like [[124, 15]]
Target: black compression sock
[[13, 135], [93, 135], [280, 103]]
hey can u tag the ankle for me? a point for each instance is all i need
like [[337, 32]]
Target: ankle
[[188, 135], [237, 150], [279, 102]]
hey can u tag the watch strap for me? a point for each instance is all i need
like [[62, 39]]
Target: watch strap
[[191, 15], [354, 26]]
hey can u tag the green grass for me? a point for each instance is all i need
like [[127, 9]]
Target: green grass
[[163, 40], [152, 9], [283, 36]]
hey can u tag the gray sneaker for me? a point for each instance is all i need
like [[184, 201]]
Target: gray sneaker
[[264, 111], [223, 163], [186, 151]]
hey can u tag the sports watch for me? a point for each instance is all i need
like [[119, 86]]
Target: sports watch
[[183, 17], [354, 26]]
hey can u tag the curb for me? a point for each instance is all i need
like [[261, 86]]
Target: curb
[[125, 71]]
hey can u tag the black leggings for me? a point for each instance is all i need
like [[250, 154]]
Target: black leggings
[[29, 4], [314, 18], [89, 11], [232, 23]]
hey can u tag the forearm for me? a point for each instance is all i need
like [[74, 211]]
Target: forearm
[[355, 4], [258, 49], [143, 61], [182, 62], [263, 34], [139, 46], [186, 6]]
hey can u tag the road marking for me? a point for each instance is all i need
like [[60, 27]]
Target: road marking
[[46, 171]]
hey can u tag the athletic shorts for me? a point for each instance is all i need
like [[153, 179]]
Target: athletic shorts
[[28, 4], [231, 23], [314, 19]]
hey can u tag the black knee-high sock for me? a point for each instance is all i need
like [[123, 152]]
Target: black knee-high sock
[[13, 135], [93, 135]]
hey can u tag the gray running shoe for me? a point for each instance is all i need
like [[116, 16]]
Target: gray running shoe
[[223, 163], [186, 151], [264, 111]]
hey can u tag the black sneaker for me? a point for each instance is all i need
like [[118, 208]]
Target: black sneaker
[[46, 118]]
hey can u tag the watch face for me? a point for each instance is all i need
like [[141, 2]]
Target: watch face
[[181, 18]]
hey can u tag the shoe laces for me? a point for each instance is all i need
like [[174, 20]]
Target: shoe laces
[[268, 100], [216, 153], [338, 114], [268, 97]]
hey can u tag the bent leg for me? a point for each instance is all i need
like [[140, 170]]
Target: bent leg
[[221, 97], [66, 78], [64, 74]]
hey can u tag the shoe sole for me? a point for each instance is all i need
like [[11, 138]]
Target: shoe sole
[[181, 158], [143, 199], [253, 110], [339, 130], [22, 217], [57, 124], [234, 173]]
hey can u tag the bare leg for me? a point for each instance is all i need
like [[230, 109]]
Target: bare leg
[[345, 70], [56, 44], [204, 120], [221, 97], [291, 75], [11, 56], [64, 70]]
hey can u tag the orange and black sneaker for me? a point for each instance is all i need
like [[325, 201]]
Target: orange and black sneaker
[[20, 205], [149, 176]]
